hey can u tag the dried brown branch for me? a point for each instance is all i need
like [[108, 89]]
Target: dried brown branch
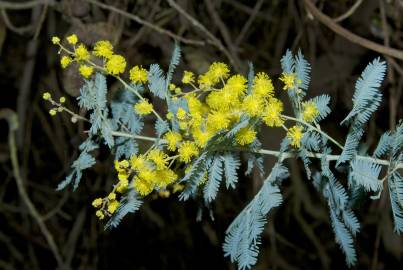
[[327, 21], [12, 120], [147, 24]]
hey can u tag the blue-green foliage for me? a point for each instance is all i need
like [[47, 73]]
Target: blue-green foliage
[[366, 173], [175, 59], [194, 176], [288, 62], [84, 161], [161, 127], [302, 70], [129, 203], [124, 119], [383, 146], [322, 103], [157, 81], [366, 100], [215, 173], [231, 165], [243, 236]]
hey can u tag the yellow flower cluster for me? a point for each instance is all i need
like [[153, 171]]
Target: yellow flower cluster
[[113, 64], [148, 172], [143, 107]]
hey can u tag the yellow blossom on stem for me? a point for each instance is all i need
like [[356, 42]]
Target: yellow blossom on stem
[[310, 111], [217, 71], [201, 137], [103, 48], [113, 206], [81, 53], [217, 121], [181, 114], [62, 99], [100, 214], [46, 96], [262, 85], [252, 105], [97, 202], [272, 114], [205, 81], [187, 150], [72, 39], [65, 61], [112, 196], [122, 186], [86, 71], [245, 136], [288, 80], [159, 158], [188, 77], [165, 177], [295, 135], [236, 84], [172, 138], [142, 186], [55, 40], [143, 107], [116, 64], [138, 163], [52, 112], [138, 75]]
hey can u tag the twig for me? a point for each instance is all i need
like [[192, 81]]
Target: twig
[[247, 25], [211, 38], [17, 29], [12, 120], [25, 5], [224, 31], [284, 155], [349, 12], [327, 21], [147, 24]]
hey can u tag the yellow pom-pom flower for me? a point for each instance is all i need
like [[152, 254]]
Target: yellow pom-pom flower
[[86, 71], [112, 196], [181, 114], [288, 80], [173, 139], [138, 74], [272, 114], [97, 202], [201, 137], [46, 96], [217, 121], [262, 85], [187, 150], [252, 106], [188, 77], [65, 61], [113, 206], [143, 107], [62, 99], [236, 84], [72, 39], [310, 111], [217, 71], [245, 136], [138, 163], [100, 214], [142, 186], [55, 40], [295, 135], [159, 158], [52, 112], [81, 53], [116, 64], [103, 48]]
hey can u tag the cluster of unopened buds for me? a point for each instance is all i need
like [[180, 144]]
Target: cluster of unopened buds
[[216, 101]]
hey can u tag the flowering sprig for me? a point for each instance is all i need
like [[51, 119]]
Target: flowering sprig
[[210, 117]]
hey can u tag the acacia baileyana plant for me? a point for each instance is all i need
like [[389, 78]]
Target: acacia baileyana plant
[[212, 120]]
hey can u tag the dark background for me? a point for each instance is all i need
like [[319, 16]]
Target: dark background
[[164, 234]]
